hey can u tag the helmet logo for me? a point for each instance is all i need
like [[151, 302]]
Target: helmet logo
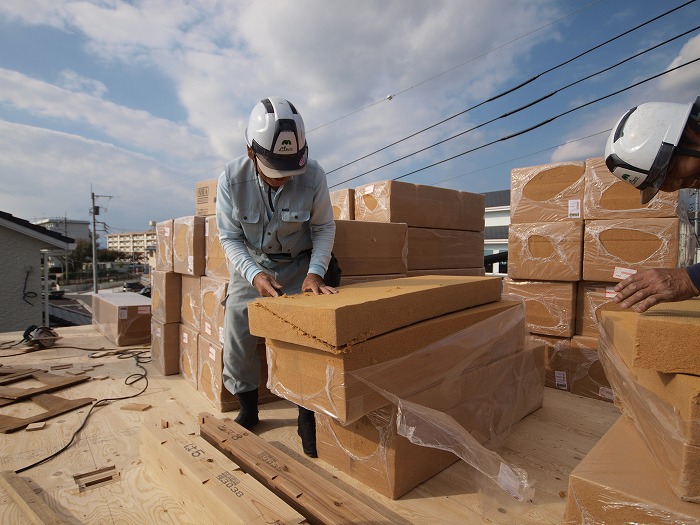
[[302, 161], [286, 146]]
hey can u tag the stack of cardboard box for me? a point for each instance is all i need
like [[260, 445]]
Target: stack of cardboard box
[[188, 287], [646, 468], [576, 231], [486, 379], [391, 229]]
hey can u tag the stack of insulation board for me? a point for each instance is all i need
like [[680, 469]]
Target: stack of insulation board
[[575, 231], [646, 468], [391, 228], [317, 344]]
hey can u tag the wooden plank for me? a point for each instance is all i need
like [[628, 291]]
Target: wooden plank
[[207, 485], [306, 491], [55, 406], [33, 506]]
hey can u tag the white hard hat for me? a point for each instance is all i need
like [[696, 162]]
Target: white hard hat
[[641, 144], [276, 135]]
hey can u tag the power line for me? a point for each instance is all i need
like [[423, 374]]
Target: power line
[[510, 90], [544, 122], [517, 110], [524, 156], [394, 95]]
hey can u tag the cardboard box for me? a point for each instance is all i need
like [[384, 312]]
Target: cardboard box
[[586, 371], [492, 399], [607, 197], [324, 381], [545, 251], [210, 379], [557, 351], [431, 249], [123, 318], [549, 305], [355, 279], [188, 245], [216, 263], [667, 336], [212, 311], [612, 246], [591, 299], [343, 202], [447, 271], [366, 310], [547, 193], [419, 206], [370, 248], [191, 304], [166, 296], [205, 197], [189, 350], [618, 483], [165, 347], [661, 406], [210, 376], [164, 246]]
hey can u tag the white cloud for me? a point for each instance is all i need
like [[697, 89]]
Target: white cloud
[[73, 81]]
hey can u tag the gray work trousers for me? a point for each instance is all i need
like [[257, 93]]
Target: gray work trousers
[[241, 363]]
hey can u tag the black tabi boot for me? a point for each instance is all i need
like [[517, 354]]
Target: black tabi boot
[[248, 415], [306, 428]]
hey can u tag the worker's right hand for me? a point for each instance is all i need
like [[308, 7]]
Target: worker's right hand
[[646, 288], [266, 285]]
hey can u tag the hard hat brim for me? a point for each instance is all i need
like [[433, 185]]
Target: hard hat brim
[[274, 172]]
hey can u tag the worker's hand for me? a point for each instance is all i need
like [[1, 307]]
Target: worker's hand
[[266, 285], [314, 283], [646, 288]]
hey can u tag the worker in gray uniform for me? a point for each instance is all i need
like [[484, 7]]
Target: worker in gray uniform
[[656, 146], [276, 226]]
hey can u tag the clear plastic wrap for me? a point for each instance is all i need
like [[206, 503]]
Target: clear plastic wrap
[[188, 348], [549, 305], [556, 359], [343, 203], [165, 353], [430, 248], [546, 193], [164, 246], [592, 298], [607, 197], [662, 407], [191, 305], [189, 257], [213, 293], [586, 373], [166, 296], [210, 376], [612, 246], [124, 319], [216, 264], [419, 206], [546, 251], [461, 394]]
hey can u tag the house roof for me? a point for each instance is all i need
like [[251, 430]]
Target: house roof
[[40, 233]]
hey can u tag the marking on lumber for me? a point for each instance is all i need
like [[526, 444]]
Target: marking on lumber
[[312, 495]]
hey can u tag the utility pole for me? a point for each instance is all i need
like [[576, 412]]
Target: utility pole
[[94, 211]]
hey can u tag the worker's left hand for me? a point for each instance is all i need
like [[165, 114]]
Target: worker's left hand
[[646, 288], [314, 283]]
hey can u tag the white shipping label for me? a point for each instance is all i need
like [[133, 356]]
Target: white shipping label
[[606, 392], [575, 209], [369, 189], [207, 328], [610, 292], [144, 310], [212, 353], [190, 263], [123, 312], [623, 273], [560, 379], [166, 231], [221, 335], [185, 337], [158, 331], [206, 229]]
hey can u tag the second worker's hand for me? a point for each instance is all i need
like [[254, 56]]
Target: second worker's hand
[[266, 285], [644, 289]]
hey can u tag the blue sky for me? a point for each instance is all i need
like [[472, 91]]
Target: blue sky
[[136, 101]]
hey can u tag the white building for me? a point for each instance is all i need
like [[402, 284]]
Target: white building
[[134, 245], [78, 230], [497, 221]]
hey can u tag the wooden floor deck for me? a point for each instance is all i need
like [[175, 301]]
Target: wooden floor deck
[[547, 444]]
